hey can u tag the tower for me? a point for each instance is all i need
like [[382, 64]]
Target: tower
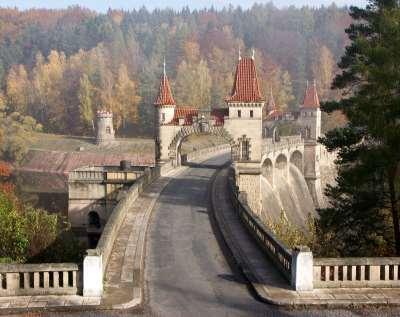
[[310, 120], [164, 114], [244, 124], [246, 105], [105, 128], [310, 113]]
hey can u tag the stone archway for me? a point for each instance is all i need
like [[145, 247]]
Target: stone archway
[[267, 171], [297, 160], [175, 146]]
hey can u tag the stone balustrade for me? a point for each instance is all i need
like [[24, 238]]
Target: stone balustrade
[[276, 251], [96, 260], [285, 143], [206, 151], [356, 272], [39, 279]]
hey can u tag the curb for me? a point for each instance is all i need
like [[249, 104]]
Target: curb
[[255, 284]]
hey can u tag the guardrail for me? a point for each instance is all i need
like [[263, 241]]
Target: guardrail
[[39, 279], [269, 145], [356, 272], [96, 260], [276, 251]]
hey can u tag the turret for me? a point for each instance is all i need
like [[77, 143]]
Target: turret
[[105, 128], [310, 113], [165, 103], [164, 114]]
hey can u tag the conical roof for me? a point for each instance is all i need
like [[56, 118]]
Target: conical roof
[[311, 99], [164, 95], [246, 87]]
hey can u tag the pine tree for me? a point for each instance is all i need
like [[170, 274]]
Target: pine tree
[[364, 215]]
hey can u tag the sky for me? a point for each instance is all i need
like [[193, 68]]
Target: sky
[[103, 5]]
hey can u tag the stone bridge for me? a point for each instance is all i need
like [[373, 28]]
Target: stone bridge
[[278, 153]]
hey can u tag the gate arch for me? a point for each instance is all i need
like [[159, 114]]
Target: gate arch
[[175, 146]]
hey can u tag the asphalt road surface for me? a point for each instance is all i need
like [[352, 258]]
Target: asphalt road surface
[[187, 272]]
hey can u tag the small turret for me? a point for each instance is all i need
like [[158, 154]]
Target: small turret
[[105, 128], [310, 113]]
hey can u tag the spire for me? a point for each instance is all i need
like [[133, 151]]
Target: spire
[[253, 54], [240, 54], [311, 99], [245, 87], [164, 97], [165, 73]]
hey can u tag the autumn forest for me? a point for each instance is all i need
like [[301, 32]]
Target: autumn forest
[[57, 67]]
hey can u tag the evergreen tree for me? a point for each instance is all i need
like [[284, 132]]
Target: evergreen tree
[[364, 215]]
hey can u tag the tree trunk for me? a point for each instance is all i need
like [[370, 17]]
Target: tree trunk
[[395, 209]]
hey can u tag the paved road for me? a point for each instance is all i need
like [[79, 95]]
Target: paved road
[[186, 270], [187, 273]]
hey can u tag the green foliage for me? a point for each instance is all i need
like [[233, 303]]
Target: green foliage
[[33, 235], [14, 240], [363, 218], [290, 234]]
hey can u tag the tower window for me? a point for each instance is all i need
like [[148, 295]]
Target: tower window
[[163, 117], [244, 143], [239, 113], [108, 130], [251, 114]]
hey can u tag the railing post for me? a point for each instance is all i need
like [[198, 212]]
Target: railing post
[[302, 269], [92, 274]]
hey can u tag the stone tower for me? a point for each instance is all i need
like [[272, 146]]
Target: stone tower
[[244, 124], [164, 114], [310, 120], [105, 128], [246, 112]]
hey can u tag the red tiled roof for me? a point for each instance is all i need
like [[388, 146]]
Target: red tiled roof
[[273, 114], [245, 87], [186, 113], [311, 99], [164, 95]]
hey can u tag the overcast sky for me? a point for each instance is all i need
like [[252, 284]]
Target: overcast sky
[[103, 5]]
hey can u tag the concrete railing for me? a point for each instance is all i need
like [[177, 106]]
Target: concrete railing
[[206, 151], [295, 265], [96, 260], [39, 279], [276, 251], [305, 272], [356, 272], [285, 143]]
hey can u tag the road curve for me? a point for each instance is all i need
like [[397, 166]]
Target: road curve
[[186, 271]]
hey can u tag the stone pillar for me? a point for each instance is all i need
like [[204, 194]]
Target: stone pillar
[[302, 269], [92, 274]]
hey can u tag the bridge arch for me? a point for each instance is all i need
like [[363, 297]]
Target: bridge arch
[[175, 146], [281, 162], [296, 159], [267, 170]]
